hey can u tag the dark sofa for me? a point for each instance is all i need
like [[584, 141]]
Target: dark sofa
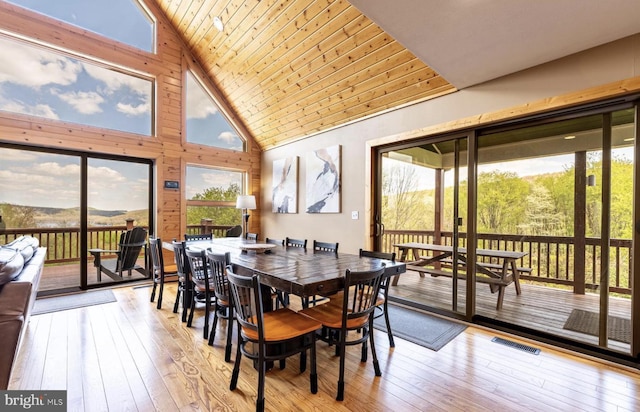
[[17, 297]]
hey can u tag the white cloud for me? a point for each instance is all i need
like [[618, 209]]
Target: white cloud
[[35, 67], [132, 110], [41, 110], [83, 102], [105, 174], [31, 185], [199, 104], [219, 179], [18, 156], [115, 81], [228, 137], [55, 169]]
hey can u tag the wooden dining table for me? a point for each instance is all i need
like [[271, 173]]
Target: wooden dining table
[[294, 270]]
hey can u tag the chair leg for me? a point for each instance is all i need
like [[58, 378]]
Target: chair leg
[[160, 293], [303, 361], [236, 366], [342, 350], [313, 377], [376, 365], [212, 334], [193, 308], [186, 304], [392, 344], [227, 349], [177, 302], [153, 292], [262, 370], [207, 311], [363, 354]]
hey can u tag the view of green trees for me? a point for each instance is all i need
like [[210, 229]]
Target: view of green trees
[[219, 215], [538, 205], [534, 205]]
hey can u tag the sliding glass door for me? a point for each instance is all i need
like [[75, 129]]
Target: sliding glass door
[[562, 193], [73, 202], [423, 200], [118, 196], [40, 197], [544, 230]]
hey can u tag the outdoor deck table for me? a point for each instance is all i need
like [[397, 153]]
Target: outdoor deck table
[[497, 275]]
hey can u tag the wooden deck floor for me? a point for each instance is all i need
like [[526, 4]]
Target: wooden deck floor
[[62, 277], [128, 355], [540, 308]]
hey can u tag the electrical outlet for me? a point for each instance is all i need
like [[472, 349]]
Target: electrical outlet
[[354, 215]]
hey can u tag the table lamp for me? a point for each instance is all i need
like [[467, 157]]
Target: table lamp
[[246, 203]]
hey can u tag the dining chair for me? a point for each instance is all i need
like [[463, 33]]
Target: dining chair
[[158, 269], [200, 236], [222, 298], [325, 247], [294, 243], [274, 241], [184, 289], [251, 236], [282, 298], [361, 290], [301, 243], [269, 336], [201, 285], [383, 296], [320, 247], [235, 231]]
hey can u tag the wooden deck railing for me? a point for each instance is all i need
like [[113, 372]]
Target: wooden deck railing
[[63, 244], [549, 257], [204, 227]]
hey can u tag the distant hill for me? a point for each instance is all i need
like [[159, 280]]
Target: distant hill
[[52, 217]]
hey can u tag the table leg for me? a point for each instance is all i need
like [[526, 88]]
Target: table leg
[[516, 276], [500, 297], [416, 257], [403, 258]]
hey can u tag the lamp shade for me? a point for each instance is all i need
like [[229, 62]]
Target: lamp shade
[[246, 202]]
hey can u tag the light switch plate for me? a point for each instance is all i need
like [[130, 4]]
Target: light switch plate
[[354, 215]]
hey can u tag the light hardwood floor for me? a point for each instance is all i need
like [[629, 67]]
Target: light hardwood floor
[[130, 356]]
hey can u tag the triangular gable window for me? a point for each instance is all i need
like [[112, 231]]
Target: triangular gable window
[[126, 21], [206, 124]]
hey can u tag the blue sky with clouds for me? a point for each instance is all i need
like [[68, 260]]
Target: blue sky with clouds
[[121, 20], [53, 180]]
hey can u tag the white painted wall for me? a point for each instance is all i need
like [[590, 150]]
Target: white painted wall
[[605, 64]]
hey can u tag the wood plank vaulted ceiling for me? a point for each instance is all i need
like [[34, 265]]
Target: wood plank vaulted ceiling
[[293, 68]]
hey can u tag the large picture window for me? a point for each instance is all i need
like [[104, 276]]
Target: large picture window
[[211, 197], [206, 124], [45, 83], [126, 21]]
